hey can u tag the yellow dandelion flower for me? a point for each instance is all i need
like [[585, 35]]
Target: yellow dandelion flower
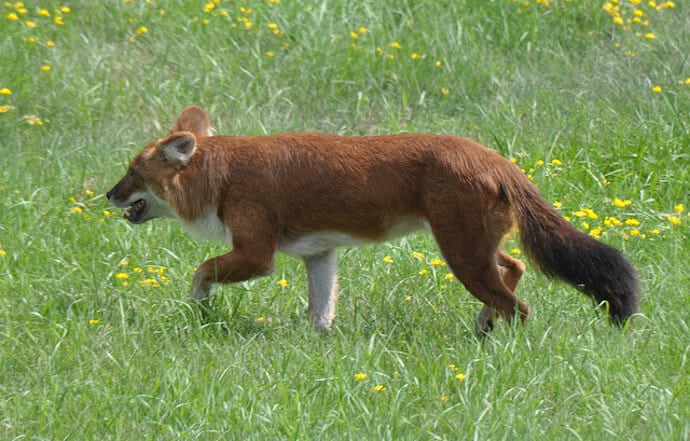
[[445, 91], [379, 388], [93, 322], [438, 262], [58, 20], [632, 222], [43, 13], [557, 204], [452, 367], [516, 251], [283, 283], [270, 54], [621, 203], [122, 276], [3, 253], [395, 45], [443, 398], [360, 376], [423, 272], [65, 10], [46, 68], [460, 377], [417, 255], [635, 232], [388, 259], [612, 221], [449, 276], [12, 16], [137, 270], [4, 108], [675, 220], [123, 262], [438, 63], [50, 43], [679, 208], [649, 36], [76, 210], [596, 232], [5, 91], [30, 24], [415, 56], [354, 35], [556, 162], [141, 30], [261, 319]]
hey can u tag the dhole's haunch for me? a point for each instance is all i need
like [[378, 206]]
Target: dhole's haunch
[[306, 194]]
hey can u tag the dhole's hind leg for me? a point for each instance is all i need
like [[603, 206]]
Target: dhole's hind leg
[[322, 272], [471, 249], [511, 271]]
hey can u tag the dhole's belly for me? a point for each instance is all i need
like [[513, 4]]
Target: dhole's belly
[[309, 244]]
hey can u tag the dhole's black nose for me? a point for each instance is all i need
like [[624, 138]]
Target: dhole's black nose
[[108, 194]]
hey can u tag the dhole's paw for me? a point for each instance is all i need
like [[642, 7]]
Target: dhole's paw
[[486, 320]]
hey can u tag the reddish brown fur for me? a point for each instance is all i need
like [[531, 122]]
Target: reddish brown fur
[[272, 190]]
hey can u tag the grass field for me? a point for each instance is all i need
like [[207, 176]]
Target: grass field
[[590, 98]]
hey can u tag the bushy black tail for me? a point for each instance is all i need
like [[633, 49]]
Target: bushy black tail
[[560, 250]]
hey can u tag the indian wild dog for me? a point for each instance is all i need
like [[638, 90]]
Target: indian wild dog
[[306, 194]]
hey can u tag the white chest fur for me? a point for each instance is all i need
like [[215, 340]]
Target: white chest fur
[[208, 227]]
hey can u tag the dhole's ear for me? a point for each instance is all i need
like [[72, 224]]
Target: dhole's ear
[[193, 119], [178, 147]]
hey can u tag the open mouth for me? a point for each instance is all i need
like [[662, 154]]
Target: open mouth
[[135, 212]]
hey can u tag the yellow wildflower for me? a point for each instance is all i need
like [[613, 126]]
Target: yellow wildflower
[[360, 376], [379, 388], [460, 377], [679, 208], [675, 220], [620, 203], [388, 259], [283, 283]]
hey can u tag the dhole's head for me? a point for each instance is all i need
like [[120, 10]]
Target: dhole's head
[[144, 188]]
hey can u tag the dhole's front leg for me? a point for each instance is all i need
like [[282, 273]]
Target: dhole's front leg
[[322, 272], [228, 268], [254, 242]]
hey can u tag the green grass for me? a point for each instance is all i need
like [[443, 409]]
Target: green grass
[[87, 354]]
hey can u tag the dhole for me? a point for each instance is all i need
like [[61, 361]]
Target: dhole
[[306, 194]]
